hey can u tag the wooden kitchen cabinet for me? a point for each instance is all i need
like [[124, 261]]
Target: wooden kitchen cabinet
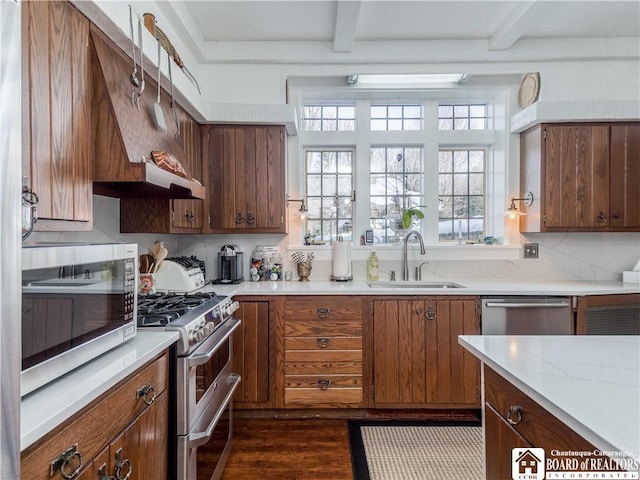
[[56, 114], [608, 315], [417, 362], [125, 418], [323, 352], [245, 179], [514, 420], [252, 354], [583, 177]]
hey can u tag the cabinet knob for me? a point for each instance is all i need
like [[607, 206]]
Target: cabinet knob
[[323, 342], [616, 216], [419, 312], [189, 217], [147, 393], [323, 312], [324, 384], [602, 217], [431, 314], [66, 461], [239, 218], [251, 218], [514, 417]]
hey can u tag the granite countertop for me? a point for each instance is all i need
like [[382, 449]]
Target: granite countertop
[[471, 287], [591, 383], [46, 408]]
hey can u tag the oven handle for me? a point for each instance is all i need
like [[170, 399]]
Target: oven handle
[[202, 358], [526, 305], [197, 439]]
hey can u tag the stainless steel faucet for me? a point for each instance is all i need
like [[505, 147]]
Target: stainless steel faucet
[[405, 266]]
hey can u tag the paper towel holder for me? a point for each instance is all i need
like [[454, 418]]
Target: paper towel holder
[[349, 276]]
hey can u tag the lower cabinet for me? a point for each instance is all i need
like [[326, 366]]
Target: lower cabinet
[[251, 354], [417, 361], [513, 420], [132, 419], [323, 352]]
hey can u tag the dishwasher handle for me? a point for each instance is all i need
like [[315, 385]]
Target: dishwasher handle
[[527, 305]]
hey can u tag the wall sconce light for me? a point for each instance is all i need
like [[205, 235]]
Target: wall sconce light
[[527, 201], [302, 212]]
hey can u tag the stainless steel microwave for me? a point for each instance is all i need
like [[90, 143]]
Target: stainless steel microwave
[[78, 301]]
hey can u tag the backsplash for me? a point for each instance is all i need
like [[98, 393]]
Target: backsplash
[[562, 256]]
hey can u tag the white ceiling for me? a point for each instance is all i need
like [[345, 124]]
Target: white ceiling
[[281, 31]]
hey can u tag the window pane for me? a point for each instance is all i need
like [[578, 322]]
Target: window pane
[[314, 162], [445, 124], [395, 125], [460, 186], [378, 112], [395, 111], [445, 111], [329, 185], [396, 117], [461, 124], [344, 185], [478, 111], [445, 160], [378, 124], [346, 125], [329, 162], [413, 111], [462, 117], [412, 124], [347, 112], [314, 185], [476, 161], [476, 183], [329, 125], [330, 112], [477, 124], [461, 110], [445, 184], [324, 117], [312, 125], [460, 161]]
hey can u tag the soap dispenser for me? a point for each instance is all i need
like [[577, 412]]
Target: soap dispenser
[[372, 267]]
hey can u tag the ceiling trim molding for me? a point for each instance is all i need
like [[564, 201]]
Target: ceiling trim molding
[[347, 16], [516, 24]]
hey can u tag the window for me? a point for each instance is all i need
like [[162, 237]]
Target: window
[[329, 194], [396, 117], [462, 117], [395, 185], [461, 194], [318, 118]]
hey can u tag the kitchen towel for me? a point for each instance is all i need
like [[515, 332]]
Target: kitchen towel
[[341, 261]]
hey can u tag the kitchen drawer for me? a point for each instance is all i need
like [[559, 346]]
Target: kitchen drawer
[[319, 381], [93, 427], [314, 397], [323, 328], [342, 308], [323, 343], [537, 425]]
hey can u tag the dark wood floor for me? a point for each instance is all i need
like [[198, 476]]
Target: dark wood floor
[[289, 449]]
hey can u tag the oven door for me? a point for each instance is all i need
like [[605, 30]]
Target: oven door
[[203, 453], [202, 374]]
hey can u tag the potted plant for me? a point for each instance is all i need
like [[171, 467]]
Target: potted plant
[[409, 213]]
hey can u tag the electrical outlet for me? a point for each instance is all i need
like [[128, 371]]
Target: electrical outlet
[[530, 250]]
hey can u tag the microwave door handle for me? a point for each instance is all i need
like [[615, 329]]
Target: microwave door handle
[[526, 305], [198, 439], [202, 358]]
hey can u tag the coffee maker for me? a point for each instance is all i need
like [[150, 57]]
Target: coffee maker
[[230, 265]]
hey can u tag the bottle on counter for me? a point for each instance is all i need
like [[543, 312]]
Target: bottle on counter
[[372, 267]]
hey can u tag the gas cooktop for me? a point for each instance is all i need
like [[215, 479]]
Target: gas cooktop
[[160, 309]]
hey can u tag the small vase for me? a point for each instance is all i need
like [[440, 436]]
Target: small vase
[[304, 270]]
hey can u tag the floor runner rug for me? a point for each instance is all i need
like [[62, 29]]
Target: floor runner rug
[[415, 450]]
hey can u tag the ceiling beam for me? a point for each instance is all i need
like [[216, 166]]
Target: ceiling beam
[[516, 24], [347, 15]]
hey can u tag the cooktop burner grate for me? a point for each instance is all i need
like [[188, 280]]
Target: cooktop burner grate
[[160, 309]]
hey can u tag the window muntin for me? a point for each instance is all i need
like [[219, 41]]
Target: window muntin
[[461, 182], [317, 118], [462, 117], [329, 175], [396, 117], [396, 179]]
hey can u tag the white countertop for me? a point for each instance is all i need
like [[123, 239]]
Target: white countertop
[[591, 383], [471, 287], [51, 405]]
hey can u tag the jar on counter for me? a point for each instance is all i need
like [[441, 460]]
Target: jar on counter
[[258, 267], [275, 267]]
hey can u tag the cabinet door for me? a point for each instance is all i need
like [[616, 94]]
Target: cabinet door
[[57, 118], [500, 439], [246, 180], [417, 359], [251, 354], [576, 176], [187, 214], [625, 177]]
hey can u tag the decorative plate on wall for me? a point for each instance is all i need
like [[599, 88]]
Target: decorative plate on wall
[[529, 89]]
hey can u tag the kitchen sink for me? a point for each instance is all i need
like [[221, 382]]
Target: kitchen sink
[[414, 285]]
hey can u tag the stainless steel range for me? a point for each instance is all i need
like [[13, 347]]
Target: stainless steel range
[[204, 379]]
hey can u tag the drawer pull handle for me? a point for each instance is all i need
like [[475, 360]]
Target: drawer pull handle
[[323, 342], [514, 417], [324, 384], [64, 462], [431, 315], [102, 473], [147, 393], [323, 312], [120, 464]]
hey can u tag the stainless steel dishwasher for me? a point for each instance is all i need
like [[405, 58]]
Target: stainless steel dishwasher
[[527, 316]]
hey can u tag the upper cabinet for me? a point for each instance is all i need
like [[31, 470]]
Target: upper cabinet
[[56, 114], [583, 177], [244, 168]]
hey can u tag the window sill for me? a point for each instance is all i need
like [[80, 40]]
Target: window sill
[[434, 252]]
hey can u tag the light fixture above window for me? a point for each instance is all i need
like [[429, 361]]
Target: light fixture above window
[[428, 79], [302, 212], [527, 201]]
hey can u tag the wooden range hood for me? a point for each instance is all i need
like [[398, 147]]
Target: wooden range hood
[[125, 136]]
